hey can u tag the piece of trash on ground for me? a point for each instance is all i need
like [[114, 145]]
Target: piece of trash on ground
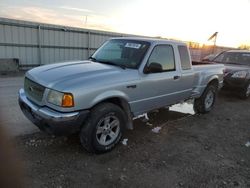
[[156, 129], [144, 116], [125, 141], [149, 124], [123, 177], [247, 144]]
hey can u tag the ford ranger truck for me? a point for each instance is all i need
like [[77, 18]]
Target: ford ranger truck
[[99, 97]]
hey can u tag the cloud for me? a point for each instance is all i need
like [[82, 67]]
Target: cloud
[[29, 13], [194, 24], [51, 16], [76, 9]]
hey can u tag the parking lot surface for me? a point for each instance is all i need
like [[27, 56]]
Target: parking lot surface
[[188, 151], [11, 117]]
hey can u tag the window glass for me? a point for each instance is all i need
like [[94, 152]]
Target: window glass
[[234, 58], [185, 60], [128, 53], [112, 51], [164, 55]]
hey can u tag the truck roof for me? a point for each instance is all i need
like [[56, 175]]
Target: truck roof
[[152, 40]]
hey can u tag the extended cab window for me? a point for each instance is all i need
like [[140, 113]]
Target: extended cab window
[[185, 60], [164, 56]]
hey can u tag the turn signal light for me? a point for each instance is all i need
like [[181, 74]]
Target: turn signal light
[[68, 100]]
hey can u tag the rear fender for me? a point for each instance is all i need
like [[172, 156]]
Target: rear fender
[[210, 80]]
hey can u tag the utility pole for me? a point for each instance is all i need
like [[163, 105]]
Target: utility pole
[[86, 20], [214, 38]]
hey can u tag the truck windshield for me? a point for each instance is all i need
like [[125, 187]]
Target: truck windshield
[[121, 52], [240, 58]]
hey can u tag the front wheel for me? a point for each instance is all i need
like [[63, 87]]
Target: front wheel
[[246, 91], [205, 102], [103, 129]]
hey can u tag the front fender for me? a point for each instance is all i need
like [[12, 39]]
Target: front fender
[[124, 103], [107, 95]]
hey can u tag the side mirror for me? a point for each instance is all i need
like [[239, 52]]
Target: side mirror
[[153, 68]]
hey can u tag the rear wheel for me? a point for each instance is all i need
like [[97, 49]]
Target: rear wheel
[[205, 102], [103, 129], [246, 91]]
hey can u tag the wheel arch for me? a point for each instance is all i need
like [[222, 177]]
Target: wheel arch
[[214, 81], [199, 103], [119, 100]]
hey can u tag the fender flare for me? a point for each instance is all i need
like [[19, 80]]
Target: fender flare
[[123, 103]]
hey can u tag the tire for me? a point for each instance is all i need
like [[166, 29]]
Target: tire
[[244, 94], [205, 102], [103, 128]]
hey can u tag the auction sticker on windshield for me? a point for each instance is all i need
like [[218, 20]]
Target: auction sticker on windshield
[[133, 45]]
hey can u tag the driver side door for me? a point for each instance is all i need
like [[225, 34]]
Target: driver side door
[[159, 87]]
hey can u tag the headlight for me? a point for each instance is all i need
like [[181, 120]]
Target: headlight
[[60, 99], [239, 74]]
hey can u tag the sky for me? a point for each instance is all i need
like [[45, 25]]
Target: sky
[[187, 20]]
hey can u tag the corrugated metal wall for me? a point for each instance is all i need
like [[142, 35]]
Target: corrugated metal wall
[[195, 53], [34, 44]]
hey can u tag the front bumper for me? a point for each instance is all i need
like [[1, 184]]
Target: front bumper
[[49, 120]]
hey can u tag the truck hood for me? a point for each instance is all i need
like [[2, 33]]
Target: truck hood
[[64, 76], [230, 68]]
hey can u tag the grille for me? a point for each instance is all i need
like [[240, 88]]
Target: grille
[[33, 90]]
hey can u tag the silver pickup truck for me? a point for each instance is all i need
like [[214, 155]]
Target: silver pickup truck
[[124, 78]]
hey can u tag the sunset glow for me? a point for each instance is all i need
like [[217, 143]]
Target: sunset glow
[[192, 20]]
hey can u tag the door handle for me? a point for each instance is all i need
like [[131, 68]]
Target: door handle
[[176, 77], [131, 86]]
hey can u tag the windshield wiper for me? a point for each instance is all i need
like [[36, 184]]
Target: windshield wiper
[[92, 58], [112, 63], [107, 62], [231, 63]]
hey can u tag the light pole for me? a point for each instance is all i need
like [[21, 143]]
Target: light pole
[[214, 38]]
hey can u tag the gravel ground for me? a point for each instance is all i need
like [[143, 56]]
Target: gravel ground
[[189, 151]]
